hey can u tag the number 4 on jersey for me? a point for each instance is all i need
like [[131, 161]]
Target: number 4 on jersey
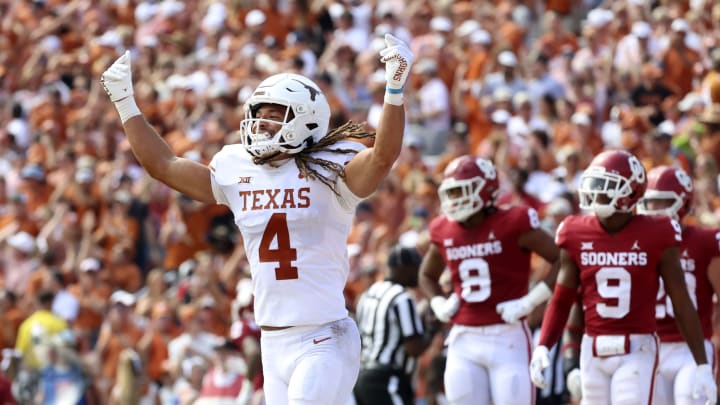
[[283, 254]]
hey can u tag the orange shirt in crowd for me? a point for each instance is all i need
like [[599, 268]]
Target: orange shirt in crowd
[[512, 35], [81, 200], [197, 223], [25, 223], [87, 318], [37, 194], [562, 7], [678, 69], [123, 276], [117, 231], [116, 343], [479, 126], [10, 319], [552, 44], [157, 356]]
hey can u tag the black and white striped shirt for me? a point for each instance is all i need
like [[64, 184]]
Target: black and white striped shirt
[[386, 316]]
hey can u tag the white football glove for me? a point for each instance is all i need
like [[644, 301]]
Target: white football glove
[[540, 361], [117, 79], [117, 82], [445, 308], [398, 60], [704, 384], [512, 310], [574, 384]]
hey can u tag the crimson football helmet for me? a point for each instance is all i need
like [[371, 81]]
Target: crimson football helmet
[[307, 115], [614, 182], [668, 183], [469, 185]]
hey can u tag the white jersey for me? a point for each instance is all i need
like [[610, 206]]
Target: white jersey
[[295, 233]]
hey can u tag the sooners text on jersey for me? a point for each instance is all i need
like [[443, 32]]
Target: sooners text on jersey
[[487, 265], [618, 272]]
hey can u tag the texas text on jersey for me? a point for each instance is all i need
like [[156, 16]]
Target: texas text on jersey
[[291, 254], [618, 279]]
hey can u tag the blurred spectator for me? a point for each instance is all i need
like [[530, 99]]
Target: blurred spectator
[[11, 317], [118, 332], [430, 118], [63, 378], [194, 341], [20, 261], [223, 384], [680, 62], [36, 331], [92, 295]]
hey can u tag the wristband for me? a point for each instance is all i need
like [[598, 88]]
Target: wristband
[[127, 108], [394, 98], [539, 294]]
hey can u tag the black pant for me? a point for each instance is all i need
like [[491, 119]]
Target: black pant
[[378, 386]]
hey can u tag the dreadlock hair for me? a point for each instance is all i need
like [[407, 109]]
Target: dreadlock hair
[[307, 163]]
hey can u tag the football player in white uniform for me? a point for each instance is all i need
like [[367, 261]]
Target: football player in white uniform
[[293, 187]]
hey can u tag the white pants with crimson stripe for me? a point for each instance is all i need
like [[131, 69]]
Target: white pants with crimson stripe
[[489, 364], [676, 373], [315, 365], [626, 379]]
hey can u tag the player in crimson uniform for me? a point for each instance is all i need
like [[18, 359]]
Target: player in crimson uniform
[[614, 258], [670, 193], [487, 250]]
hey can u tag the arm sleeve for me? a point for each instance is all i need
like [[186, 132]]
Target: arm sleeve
[[556, 315]]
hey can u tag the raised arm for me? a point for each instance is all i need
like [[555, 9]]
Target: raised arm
[[151, 150], [368, 168]]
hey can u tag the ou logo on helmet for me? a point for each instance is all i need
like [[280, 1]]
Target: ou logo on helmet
[[684, 180], [637, 169], [487, 168]]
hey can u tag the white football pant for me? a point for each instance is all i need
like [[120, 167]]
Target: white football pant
[[625, 379], [489, 364], [673, 384], [307, 365]]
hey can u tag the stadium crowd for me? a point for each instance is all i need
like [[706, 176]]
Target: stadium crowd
[[113, 283]]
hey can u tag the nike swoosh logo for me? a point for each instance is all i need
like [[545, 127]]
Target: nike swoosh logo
[[316, 341]]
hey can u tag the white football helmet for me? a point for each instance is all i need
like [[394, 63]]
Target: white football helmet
[[614, 182], [306, 119]]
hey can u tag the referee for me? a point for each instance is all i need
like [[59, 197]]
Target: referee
[[392, 334]]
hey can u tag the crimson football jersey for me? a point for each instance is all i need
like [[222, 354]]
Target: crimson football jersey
[[618, 272], [698, 248], [487, 266]]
